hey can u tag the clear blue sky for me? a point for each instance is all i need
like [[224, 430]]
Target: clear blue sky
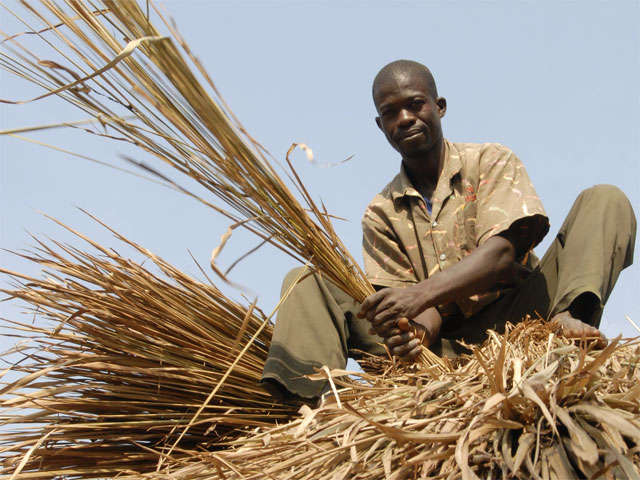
[[558, 82]]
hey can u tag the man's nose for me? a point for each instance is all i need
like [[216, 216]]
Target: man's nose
[[406, 117]]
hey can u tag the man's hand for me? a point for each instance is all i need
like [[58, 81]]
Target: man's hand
[[424, 329], [384, 308], [405, 345]]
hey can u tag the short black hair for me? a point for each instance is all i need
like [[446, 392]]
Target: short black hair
[[390, 70]]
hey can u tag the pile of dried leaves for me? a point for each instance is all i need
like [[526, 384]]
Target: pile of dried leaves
[[527, 404]]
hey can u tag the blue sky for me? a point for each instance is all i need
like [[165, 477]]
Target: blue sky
[[558, 82]]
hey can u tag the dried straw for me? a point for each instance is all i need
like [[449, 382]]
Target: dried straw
[[135, 355], [526, 405], [108, 60], [131, 355], [141, 86], [142, 89]]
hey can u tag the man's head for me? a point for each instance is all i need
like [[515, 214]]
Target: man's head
[[409, 109]]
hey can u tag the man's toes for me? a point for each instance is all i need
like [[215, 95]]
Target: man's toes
[[602, 341], [586, 332], [594, 332]]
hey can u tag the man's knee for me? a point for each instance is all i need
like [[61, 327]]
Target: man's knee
[[608, 194], [611, 201], [295, 275], [616, 210]]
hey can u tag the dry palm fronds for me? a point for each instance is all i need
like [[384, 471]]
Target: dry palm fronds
[[131, 355], [525, 405]]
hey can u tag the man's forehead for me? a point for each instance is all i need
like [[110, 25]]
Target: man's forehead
[[400, 84]]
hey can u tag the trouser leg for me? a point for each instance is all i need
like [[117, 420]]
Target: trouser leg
[[594, 244], [316, 325]]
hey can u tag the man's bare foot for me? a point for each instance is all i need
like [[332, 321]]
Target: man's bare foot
[[577, 329]]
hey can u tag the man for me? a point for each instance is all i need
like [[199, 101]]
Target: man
[[447, 244]]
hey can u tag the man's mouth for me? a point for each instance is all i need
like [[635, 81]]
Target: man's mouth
[[410, 135]]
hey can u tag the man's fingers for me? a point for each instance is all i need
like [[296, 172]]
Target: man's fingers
[[370, 302], [382, 317], [406, 349], [412, 355], [401, 344], [582, 331], [400, 339], [602, 342], [378, 314], [601, 339], [388, 330]]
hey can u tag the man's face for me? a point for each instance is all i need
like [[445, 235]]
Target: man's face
[[409, 116]]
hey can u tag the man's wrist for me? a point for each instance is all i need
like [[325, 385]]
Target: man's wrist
[[426, 293], [428, 325]]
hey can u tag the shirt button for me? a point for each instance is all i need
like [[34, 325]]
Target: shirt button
[[443, 256], [434, 224]]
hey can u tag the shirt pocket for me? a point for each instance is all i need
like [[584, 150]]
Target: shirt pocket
[[465, 226]]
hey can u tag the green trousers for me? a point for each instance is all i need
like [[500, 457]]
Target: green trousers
[[317, 323]]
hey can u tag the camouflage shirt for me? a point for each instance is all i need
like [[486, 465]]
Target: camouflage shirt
[[483, 190]]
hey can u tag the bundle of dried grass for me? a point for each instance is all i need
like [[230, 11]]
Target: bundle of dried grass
[[528, 404], [131, 355], [110, 61], [140, 85]]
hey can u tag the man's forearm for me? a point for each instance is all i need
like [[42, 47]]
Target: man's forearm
[[482, 270], [486, 266]]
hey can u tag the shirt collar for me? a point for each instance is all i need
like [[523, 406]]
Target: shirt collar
[[402, 187]]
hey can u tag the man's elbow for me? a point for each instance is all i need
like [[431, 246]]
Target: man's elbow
[[504, 265]]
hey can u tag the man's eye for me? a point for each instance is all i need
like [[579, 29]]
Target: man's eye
[[417, 104]]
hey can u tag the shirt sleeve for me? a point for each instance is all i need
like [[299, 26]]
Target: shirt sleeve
[[506, 198], [386, 263]]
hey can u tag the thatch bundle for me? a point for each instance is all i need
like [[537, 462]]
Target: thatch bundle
[[527, 404], [148, 89], [144, 91], [128, 357]]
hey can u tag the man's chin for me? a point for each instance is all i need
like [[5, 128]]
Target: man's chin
[[414, 151], [415, 146]]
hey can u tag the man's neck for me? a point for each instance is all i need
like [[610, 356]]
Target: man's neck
[[425, 170]]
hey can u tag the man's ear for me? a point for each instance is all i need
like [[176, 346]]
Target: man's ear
[[441, 102], [379, 123]]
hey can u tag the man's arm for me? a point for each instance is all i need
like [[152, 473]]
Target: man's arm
[[488, 265]]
